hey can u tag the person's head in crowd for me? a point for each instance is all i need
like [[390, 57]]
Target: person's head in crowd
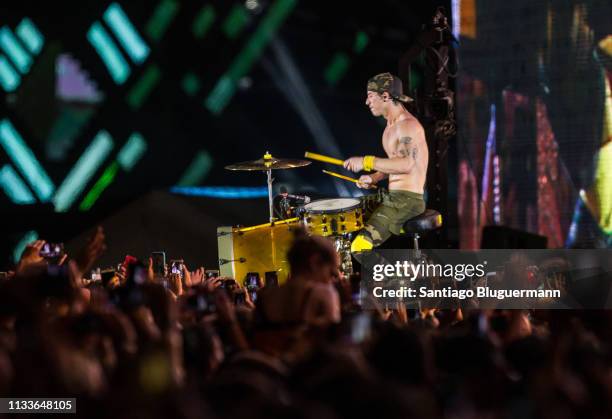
[[126, 349], [528, 355], [343, 381], [308, 297], [203, 351], [393, 343], [313, 258]]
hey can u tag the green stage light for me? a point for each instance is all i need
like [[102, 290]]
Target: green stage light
[[125, 32], [191, 84], [26, 162], [337, 68], [361, 41], [106, 179], [415, 79], [143, 87], [235, 21], [87, 165], [203, 21], [220, 96], [132, 151], [127, 157], [225, 88], [30, 36], [9, 78], [165, 11], [14, 187], [14, 50], [264, 33], [198, 169], [109, 52], [27, 238]]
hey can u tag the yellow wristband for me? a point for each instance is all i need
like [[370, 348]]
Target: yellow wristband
[[368, 163]]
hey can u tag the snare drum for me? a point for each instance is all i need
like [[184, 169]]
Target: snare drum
[[333, 217]]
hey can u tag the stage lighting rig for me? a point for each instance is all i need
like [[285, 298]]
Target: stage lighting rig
[[437, 101]]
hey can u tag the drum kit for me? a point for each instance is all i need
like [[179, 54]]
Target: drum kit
[[262, 249]]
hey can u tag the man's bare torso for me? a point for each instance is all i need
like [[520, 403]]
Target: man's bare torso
[[405, 138]]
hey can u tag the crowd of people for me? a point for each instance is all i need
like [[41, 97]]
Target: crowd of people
[[191, 345]]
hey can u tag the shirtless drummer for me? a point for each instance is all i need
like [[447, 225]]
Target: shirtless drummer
[[406, 166]]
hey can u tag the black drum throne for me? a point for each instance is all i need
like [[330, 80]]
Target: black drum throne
[[429, 220]]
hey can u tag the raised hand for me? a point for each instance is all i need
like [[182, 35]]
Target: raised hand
[[225, 308], [211, 284], [197, 277], [91, 252], [187, 283], [31, 255], [248, 302], [176, 285], [150, 271], [402, 313]]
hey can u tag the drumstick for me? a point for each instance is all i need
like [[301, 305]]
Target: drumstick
[[345, 177], [325, 159]]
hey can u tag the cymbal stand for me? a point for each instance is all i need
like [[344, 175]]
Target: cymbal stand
[[270, 180], [268, 161]]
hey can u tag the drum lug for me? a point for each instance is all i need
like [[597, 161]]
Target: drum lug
[[334, 217]]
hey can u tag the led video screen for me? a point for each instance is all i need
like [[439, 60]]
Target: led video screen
[[535, 120]]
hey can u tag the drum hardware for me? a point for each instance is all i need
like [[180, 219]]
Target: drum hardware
[[226, 261], [334, 226], [332, 217], [299, 211], [303, 198], [287, 205], [288, 222], [270, 180], [342, 245], [262, 248], [267, 164]]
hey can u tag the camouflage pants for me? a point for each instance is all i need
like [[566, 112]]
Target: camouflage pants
[[396, 208]]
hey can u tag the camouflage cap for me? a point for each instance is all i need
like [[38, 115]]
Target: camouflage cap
[[387, 82]]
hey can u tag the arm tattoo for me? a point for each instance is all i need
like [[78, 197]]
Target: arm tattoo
[[406, 149]]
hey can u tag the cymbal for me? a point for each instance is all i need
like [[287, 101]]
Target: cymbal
[[271, 163]]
